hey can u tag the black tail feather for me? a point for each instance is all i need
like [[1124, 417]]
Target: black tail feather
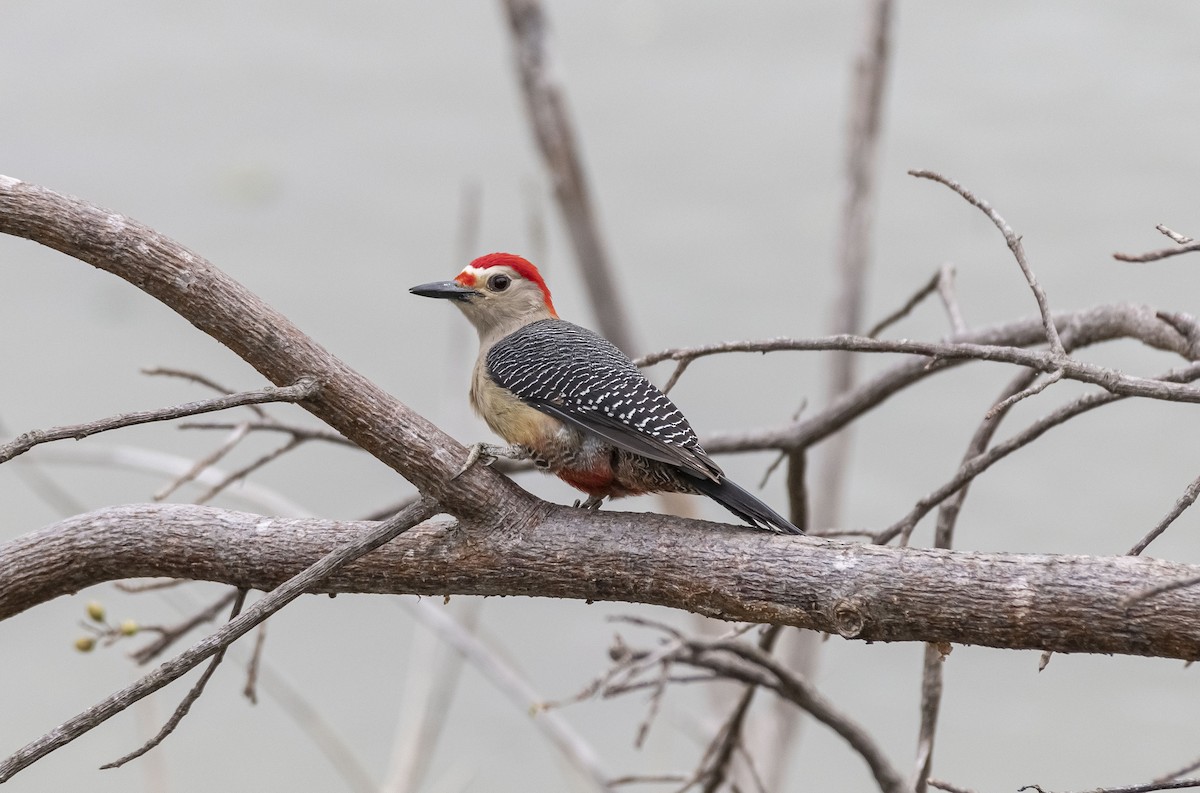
[[745, 505]]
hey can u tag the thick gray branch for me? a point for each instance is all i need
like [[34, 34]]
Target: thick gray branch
[[262, 337], [288, 588], [1060, 603], [1087, 327]]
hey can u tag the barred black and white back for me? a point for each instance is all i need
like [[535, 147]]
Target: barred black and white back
[[578, 376], [572, 374]]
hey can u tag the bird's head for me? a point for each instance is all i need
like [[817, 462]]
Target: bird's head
[[499, 292]]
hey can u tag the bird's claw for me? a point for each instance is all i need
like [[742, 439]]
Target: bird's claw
[[488, 453], [593, 503]]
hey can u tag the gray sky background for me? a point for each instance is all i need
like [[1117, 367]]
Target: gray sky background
[[318, 152]]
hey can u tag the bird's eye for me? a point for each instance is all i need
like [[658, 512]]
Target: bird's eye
[[499, 282]]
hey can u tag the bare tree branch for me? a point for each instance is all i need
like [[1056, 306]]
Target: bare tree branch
[[1187, 769], [917, 298], [946, 786], [866, 119], [271, 425], [1154, 256], [224, 309], [249, 468], [279, 597], [950, 300], [169, 636], [1063, 603], [509, 682], [1175, 236], [239, 432], [981, 462], [1047, 602], [556, 140], [1110, 379], [250, 690], [1102, 323], [1186, 500], [1014, 244], [186, 705], [769, 673], [303, 389], [156, 463], [720, 754], [1149, 787]]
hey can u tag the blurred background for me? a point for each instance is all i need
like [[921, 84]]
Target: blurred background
[[326, 154]]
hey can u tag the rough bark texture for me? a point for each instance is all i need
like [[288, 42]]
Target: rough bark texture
[[508, 542], [1020, 601], [224, 309]]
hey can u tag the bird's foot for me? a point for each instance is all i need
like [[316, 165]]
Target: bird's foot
[[488, 453], [593, 503]]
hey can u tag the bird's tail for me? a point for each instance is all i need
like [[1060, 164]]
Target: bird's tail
[[745, 505]]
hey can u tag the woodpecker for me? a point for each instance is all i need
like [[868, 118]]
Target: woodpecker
[[572, 402]]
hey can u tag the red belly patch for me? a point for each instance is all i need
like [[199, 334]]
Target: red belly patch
[[596, 481]]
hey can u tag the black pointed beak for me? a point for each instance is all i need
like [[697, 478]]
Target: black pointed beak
[[447, 289]]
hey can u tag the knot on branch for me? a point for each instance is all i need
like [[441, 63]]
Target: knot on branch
[[850, 617]]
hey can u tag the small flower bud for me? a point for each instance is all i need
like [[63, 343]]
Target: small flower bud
[[95, 610], [84, 644], [129, 627]]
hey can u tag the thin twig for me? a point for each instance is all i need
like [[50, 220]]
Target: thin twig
[[186, 705], [949, 509], [1102, 323], [212, 458], [1153, 256], [1161, 589], [429, 689], [981, 462], [501, 675], [169, 636], [196, 377], [805, 696], [732, 659], [726, 742], [271, 425], [150, 586], [931, 700], [150, 461], [853, 253], [302, 389], [250, 690], [246, 470], [554, 133], [656, 698], [949, 788], [799, 476], [840, 533], [680, 368], [328, 741], [1187, 769], [1015, 245], [1025, 393], [950, 300], [1149, 787], [729, 736], [647, 779], [171, 670], [1111, 379], [925, 291], [1186, 500], [45, 486], [1175, 236]]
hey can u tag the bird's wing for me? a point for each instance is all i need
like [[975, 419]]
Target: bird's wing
[[582, 379]]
